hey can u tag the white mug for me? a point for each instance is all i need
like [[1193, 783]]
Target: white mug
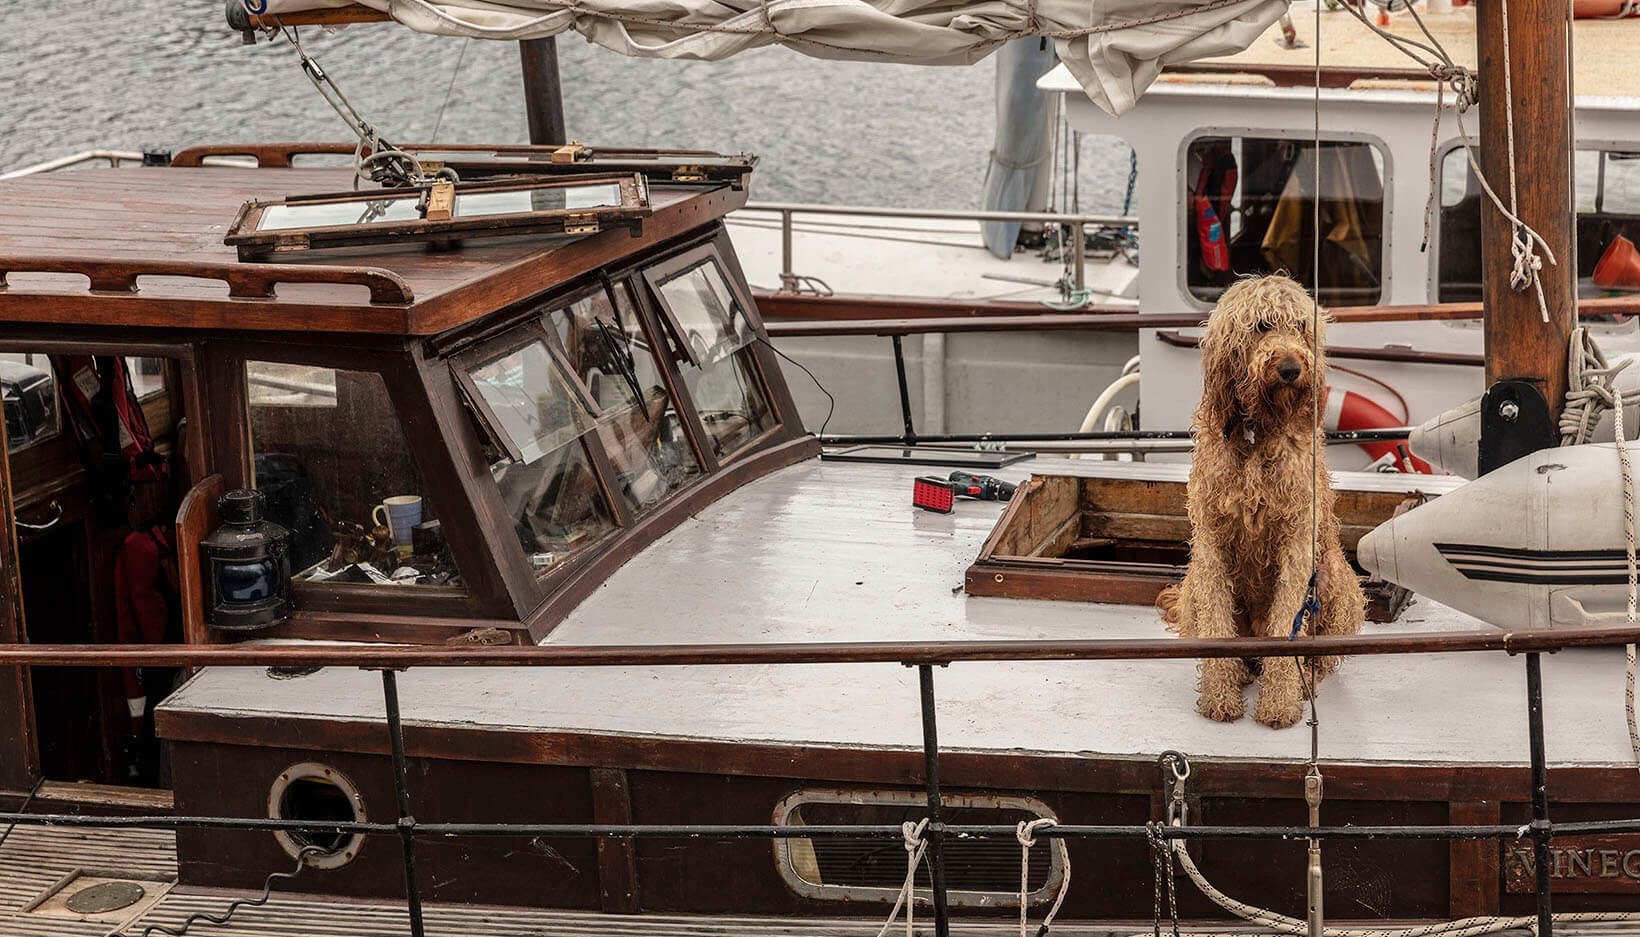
[[402, 512]]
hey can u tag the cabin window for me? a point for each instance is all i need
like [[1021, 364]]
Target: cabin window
[[711, 326], [542, 464], [1607, 198], [1250, 204], [331, 458], [640, 429]]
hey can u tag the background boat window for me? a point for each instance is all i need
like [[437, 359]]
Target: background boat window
[[716, 365], [604, 341], [1249, 208], [1607, 198], [549, 486], [331, 458]]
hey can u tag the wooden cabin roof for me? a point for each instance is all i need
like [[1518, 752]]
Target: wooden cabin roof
[[108, 227]]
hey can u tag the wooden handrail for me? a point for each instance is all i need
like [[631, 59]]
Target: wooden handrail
[[267, 155], [1011, 321], [1409, 355], [244, 280], [397, 657]]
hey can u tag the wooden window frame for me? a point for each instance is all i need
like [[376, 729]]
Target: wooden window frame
[[517, 336], [482, 594]]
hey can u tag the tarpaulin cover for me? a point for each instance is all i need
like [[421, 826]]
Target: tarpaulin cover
[[1114, 48]]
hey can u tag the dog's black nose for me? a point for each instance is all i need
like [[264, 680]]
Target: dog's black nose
[[1289, 369]]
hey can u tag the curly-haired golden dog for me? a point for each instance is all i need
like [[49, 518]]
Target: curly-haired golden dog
[[1250, 501]]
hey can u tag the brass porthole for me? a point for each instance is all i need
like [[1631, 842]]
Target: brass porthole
[[317, 793]]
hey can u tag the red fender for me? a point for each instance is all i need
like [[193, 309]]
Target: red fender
[[1349, 410]]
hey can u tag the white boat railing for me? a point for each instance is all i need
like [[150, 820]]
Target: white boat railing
[[1078, 224], [114, 158]]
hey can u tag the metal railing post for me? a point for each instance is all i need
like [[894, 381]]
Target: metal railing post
[[1079, 252], [936, 830], [788, 277], [905, 393], [1541, 829], [401, 784]]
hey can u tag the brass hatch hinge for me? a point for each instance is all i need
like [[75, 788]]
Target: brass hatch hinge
[[571, 152], [581, 222], [688, 174]]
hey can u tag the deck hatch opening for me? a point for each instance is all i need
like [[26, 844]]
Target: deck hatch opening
[[979, 872], [317, 793]]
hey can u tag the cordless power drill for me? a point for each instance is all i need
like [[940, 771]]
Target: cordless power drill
[[932, 493]]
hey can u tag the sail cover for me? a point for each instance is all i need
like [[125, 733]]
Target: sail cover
[[1114, 48]]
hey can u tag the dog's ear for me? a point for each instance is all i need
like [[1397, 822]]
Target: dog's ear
[[1218, 405]]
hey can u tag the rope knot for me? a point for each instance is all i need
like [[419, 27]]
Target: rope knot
[[1027, 829], [913, 833], [1464, 83]]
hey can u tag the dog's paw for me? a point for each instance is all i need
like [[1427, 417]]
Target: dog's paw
[[1221, 707], [1278, 715]]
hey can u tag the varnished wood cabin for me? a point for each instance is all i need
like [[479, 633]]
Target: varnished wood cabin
[[335, 379]]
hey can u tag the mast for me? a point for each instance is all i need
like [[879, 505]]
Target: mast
[[543, 97], [1525, 356]]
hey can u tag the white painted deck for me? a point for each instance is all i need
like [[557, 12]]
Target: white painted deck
[[834, 552]]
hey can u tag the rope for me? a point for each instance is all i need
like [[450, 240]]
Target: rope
[[1162, 852], [1528, 265], [222, 920], [1026, 833], [1591, 386], [915, 846], [386, 164]]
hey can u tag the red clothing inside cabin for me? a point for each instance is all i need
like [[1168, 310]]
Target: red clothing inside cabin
[[139, 595]]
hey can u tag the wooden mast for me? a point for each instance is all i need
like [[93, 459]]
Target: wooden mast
[[1521, 349]]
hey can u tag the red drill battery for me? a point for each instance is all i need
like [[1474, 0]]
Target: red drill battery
[[934, 494]]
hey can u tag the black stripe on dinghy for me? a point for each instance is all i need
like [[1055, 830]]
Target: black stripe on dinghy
[[1543, 567]]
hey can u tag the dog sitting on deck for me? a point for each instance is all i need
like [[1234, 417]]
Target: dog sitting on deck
[[1249, 501]]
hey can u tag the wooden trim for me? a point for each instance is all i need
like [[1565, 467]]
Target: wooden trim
[[267, 155], [1387, 353], [617, 858], [339, 16], [666, 354], [196, 518], [774, 379], [19, 749], [1473, 864], [244, 280], [890, 315], [564, 263], [484, 528], [581, 582], [1034, 771], [1297, 76], [394, 629]]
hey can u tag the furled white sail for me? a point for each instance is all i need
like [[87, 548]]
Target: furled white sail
[[1115, 48]]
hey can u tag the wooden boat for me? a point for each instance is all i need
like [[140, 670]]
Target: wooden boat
[[646, 630]]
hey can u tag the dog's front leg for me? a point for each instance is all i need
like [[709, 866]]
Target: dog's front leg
[[1208, 588], [1280, 686]]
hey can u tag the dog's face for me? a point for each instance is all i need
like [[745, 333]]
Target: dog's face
[[1257, 357]]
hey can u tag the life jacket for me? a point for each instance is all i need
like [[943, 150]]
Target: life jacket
[[1210, 207], [110, 430]]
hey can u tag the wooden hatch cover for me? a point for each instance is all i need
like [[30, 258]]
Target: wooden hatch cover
[[1123, 539]]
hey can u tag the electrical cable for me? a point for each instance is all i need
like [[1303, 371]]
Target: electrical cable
[[831, 402], [227, 914]]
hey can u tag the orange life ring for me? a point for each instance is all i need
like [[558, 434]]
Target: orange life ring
[[1348, 410]]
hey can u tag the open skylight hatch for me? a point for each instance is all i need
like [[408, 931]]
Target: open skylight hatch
[[1123, 539], [442, 215]]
